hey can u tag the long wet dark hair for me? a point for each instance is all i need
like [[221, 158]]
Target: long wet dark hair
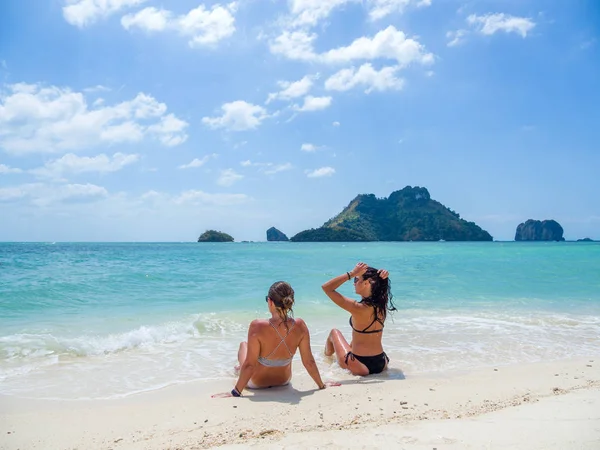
[[381, 294]]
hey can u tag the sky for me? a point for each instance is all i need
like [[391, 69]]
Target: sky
[[147, 120]]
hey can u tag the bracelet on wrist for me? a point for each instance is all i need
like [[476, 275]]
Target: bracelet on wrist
[[348, 273]]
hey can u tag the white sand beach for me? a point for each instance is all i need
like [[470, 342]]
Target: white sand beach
[[554, 405]]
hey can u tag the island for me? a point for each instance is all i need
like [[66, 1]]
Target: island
[[585, 240], [408, 214], [214, 236], [536, 230], [273, 234]]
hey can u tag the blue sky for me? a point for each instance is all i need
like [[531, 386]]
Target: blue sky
[[141, 120]]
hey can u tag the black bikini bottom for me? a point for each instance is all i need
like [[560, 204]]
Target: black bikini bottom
[[375, 364]]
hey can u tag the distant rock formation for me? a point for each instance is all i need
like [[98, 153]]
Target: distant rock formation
[[536, 230], [406, 215], [585, 240], [214, 236], [273, 234]]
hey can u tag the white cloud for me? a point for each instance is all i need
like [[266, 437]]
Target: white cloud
[[196, 197], [35, 118], [85, 12], [382, 8], [311, 12], [291, 90], [314, 103], [309, 148], [198, 162], [455, 37], [148, 19], [336, 124], [3, 64], [367, 76], [322, 172], [237, 116], [386, 44], [40, 194], [278, 168], [4, 169], [228, 177], [202, 26], [297, 45], [97, 88], [71, 163], [170, 130], [489, 24]]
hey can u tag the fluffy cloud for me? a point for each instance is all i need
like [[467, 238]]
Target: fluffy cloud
[[148, 19], [388, 43], [196, 162], [367, 76], [278, 168], [314, 103], [291, 90], [321, 172], [35, 118], [71, 163], [309, 148], [202, 26], [196, 197], [489, 24], [4, 170], [237, 116], [85, 12], [228, 177], [40, 194], [381, 8], [297, 45], [311, 12]]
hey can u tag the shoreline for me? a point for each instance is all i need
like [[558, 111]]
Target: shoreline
[[184, 416]]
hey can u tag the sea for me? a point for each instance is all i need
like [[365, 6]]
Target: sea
[[109, 320]]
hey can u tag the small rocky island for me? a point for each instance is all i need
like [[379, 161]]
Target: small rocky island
[[585, 240], [406, 215], [214, 236], [273, 234], [536, 230]]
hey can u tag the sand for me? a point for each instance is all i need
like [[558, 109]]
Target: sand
[[553, 405]]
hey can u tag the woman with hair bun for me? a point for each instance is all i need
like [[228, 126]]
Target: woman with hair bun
[[266, 358], [364, 355]]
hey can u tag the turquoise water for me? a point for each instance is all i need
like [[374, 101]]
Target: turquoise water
[[101, 320]]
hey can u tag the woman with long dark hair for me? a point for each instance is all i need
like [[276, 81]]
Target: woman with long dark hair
[[364, 355], [265, 359]]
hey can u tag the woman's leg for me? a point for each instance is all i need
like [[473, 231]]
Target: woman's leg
[[242, 352], [337, 342]]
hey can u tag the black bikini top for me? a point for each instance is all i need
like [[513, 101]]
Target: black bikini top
[[376, 319]]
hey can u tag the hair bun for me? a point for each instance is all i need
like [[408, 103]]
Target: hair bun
[[288, 301]]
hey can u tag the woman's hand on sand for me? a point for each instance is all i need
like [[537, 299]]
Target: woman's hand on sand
[[359, 269], [383, 274]]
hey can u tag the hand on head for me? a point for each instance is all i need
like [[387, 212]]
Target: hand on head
[[359, 269], [383, 274]]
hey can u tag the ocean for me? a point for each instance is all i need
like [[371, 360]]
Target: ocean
[[107, 320]]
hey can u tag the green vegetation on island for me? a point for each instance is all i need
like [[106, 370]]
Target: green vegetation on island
[[406, 215], [214, 236], [536, 230], [273, 234]]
